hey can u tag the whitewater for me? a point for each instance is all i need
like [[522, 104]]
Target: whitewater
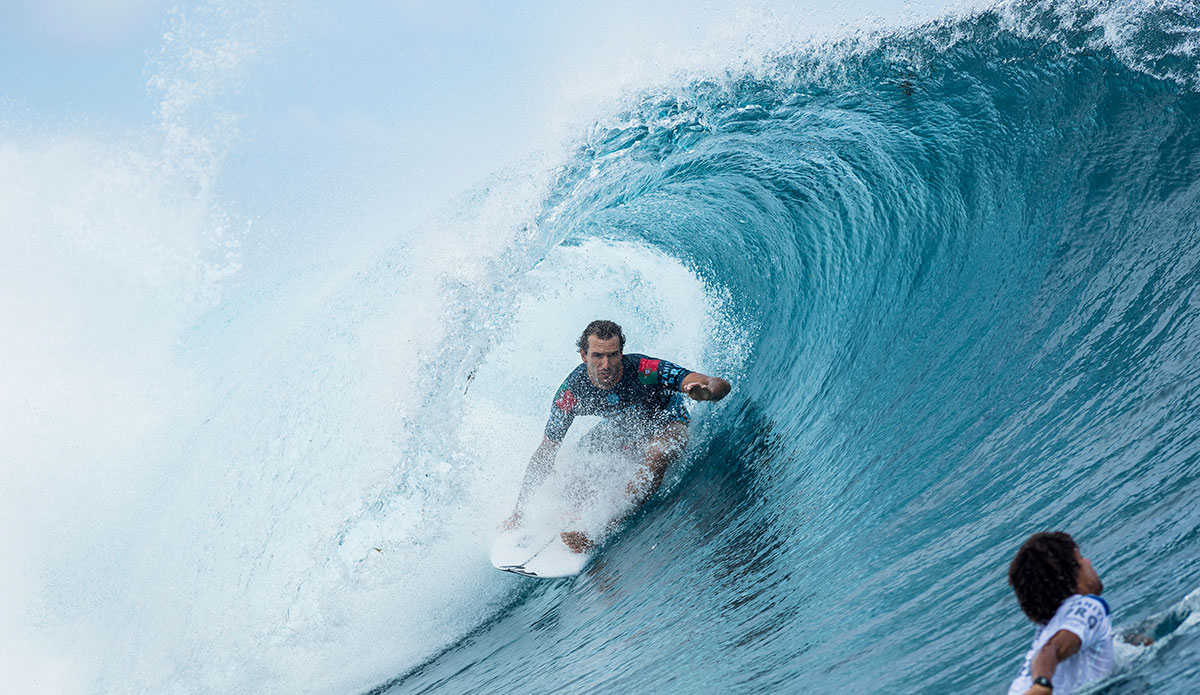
[[950, 267]]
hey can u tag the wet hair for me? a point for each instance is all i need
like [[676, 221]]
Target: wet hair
[[1044, 573], [603, 330]]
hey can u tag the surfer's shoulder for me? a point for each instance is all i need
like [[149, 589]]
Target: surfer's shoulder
[[578, 373], [634, 358], [1090, 600]]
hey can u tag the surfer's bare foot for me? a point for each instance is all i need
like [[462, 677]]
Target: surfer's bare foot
[[577, 541]]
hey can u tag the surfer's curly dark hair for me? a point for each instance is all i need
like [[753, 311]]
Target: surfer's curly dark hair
[[1044, 573], [603, 330]]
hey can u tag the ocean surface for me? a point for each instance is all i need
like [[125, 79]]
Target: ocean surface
[[952, 272]]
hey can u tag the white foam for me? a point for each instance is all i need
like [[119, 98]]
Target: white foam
[[107, 258], [307, 509]]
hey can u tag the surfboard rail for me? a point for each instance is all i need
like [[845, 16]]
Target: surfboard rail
[[537, 555]]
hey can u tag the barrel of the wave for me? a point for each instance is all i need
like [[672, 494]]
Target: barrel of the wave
[[605, 476]]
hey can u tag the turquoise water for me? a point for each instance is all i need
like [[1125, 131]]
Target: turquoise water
[[969, 254], [261, 425]]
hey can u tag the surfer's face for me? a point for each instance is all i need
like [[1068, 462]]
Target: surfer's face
[[1089, 581], [603, 360]]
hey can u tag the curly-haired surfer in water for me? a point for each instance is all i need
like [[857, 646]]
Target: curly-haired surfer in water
[[641, 400], [1060, 591]]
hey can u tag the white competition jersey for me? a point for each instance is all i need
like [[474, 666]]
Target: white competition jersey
[[1087, 617]]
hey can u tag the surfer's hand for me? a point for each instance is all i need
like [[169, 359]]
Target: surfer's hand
[[698, 391], [701, 387], [577, 541], [512, 521]]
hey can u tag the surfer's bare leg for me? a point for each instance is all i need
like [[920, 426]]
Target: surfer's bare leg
[[661, 450]]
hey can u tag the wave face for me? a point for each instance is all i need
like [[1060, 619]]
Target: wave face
[[967, 258], [951, 272]]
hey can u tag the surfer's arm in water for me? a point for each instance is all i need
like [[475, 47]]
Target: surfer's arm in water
[[701, 387], [540, 465]]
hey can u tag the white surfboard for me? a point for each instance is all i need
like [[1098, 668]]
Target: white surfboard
[[532, 554]]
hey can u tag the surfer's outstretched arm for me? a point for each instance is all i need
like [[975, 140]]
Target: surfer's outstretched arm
[[702, 387], [540, 465]]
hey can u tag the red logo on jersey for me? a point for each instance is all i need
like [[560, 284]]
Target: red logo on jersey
[[566, 400], [648, 371]]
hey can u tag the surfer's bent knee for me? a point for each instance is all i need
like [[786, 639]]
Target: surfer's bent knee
[[670, 441]]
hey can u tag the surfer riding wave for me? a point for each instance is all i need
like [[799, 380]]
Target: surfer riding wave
[[641, 401]]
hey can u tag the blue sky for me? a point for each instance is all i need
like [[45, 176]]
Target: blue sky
[[72, 57]]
